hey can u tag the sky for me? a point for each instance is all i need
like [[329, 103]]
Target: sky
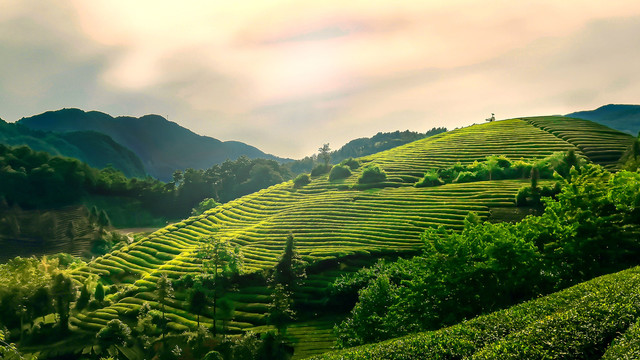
[[289, 76]]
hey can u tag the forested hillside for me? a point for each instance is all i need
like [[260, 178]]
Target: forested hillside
[[96, 149]]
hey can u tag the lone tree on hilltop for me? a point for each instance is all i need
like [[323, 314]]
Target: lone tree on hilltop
[[492, 118], [325, 154]]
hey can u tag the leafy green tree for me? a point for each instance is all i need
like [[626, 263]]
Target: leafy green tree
[[164, 290], [203, 206], [301, 180], [8, 350], [289, 270], [64, 292], [339, 172], [197, 302], [83, 299], [492, 165], [571, 160], [368, 321], [99, 293], [325, 154], [280, 308], [41, 302], [177, 178], [372, 173], [227, 310], [223, 262], [115, 333]]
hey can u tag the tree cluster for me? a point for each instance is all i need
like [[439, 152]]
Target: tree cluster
[[32, 288], [500, 167], [587, 231]]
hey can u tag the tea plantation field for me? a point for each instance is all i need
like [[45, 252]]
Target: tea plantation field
[[333, 220], [602, 145], [577, 323]]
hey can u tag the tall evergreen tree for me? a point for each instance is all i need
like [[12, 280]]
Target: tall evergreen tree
[[99, 293], [289, 271], [164, 290]]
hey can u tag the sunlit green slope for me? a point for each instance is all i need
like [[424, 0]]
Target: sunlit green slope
[[577, 323], [328, 219], [602, 145]]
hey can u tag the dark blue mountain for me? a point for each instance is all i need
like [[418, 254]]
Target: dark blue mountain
[[620, 117]]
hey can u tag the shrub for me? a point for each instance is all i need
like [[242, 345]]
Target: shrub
[[320, 170], [466, 176], [203, 206], [431, 178], [521, 196], [351, 163], [301, 180], [339, 172], [115, 333], [372, 174]]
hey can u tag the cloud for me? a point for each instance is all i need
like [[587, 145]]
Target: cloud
[[287, 76]]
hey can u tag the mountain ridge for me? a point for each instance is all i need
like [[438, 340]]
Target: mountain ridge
[[94, 148], [162, 145], [622, 117]]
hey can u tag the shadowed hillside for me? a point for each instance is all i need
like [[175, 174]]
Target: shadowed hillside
[[620, 117], [96, 149], [163, 146]]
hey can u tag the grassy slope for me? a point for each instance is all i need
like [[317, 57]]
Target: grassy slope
[[576, 323], [602, 145], [329, 220]]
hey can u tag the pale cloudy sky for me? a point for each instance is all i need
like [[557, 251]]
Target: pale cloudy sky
[[287, 76]]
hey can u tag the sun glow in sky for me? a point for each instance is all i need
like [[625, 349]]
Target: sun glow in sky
[[288, 76]]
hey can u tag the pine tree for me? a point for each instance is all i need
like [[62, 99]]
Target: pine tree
[[289, 271]]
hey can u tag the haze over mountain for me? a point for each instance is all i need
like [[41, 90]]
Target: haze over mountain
[[94, 148], [287, 76], [162, 145], [620, 117]]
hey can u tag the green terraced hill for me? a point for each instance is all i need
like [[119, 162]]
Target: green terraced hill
[[329, 220], [601, 144]]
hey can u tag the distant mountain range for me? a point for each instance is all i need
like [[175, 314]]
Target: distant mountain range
[[96, 149], [162, 145], [620, 117]]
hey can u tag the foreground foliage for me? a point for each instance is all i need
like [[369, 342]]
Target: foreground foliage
[[576, 323], [589, 230]]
